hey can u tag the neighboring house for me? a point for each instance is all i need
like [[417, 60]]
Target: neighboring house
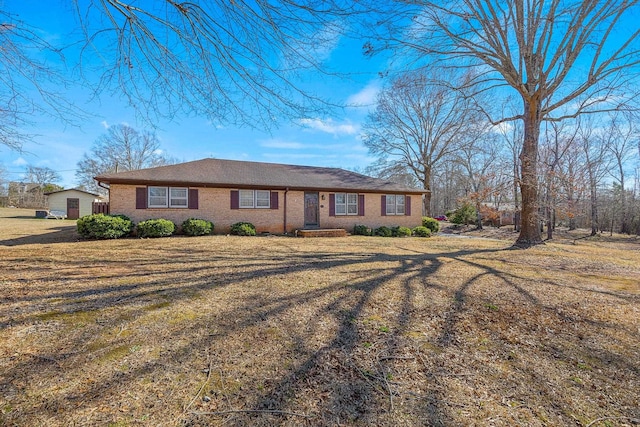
[[499, 215], [73, 202], [276, 198], [24, 195]]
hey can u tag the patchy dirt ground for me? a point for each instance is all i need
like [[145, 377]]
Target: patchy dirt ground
[[353, 331]]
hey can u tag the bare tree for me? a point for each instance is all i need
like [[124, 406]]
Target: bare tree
[[624, 132], [562, 58], [482, 165], [594, 142], [392, 171], [29, 85], [512, 136], [557, 140], [42, 175], [233, 61], [417, 122], [122, 148], [45, 180]]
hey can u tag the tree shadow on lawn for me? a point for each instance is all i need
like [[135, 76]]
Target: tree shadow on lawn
[[60, 233], [333, 381]]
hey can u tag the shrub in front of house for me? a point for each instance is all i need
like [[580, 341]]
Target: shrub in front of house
[[361, 230], [243, 229], [421, 231], [431, 223], [197, 227], [101, 226], [383, 232], [400, 231], [155, 228]]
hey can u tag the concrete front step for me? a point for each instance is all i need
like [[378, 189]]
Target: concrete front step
[[327, 232]]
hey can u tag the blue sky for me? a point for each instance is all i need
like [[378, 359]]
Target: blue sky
[[317, 141]]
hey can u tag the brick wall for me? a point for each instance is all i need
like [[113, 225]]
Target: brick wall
[[214, 205]]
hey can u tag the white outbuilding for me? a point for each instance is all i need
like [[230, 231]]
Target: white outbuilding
[[73, 202]]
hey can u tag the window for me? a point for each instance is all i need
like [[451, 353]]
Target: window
[[255, 199], [168, 197], [352, 204], [346, 204], [263, 199], [246, 198], [341, 204], [395, 204], [157, 197], [178, 197]]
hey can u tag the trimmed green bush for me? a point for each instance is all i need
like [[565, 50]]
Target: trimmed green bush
[[243, 229], [101, 226], [155, 228], [401, 231], [421, 231], [361, 230], [431, 223], [197, 227], [383, 232]]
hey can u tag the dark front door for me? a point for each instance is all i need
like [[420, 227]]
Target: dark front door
[[311, 213], [73, 208]]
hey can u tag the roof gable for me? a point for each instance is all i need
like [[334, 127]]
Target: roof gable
[[74, 190], [241, 174]]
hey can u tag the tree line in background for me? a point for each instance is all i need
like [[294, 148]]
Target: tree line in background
[[429, 136], [121, 148], [558, 61]]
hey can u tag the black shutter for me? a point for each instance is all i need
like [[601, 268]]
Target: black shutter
[[332, 204], [141, 197], [383, 204], [274, 200], [235, 199], [407, 205], [360, 204], [193, 198]]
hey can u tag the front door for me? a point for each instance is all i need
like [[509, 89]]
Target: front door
[[311, 212], [73, 208]]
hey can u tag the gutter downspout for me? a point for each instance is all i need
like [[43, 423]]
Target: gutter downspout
[[286, 190], [109, 193]]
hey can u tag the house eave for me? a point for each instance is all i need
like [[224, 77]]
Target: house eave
[[261, 186]]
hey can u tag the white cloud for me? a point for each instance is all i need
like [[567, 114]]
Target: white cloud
[[329, 126], [104, 124], [365, 97], [503, 128], [277, 143], [20, 162]]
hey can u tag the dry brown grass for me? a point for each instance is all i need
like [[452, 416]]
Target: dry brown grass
[[343, 331]]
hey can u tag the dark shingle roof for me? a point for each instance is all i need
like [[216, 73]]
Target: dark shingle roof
[[239, 174]]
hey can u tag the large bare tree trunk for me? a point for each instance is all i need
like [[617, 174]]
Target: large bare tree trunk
[[426, 184], [530, 223]]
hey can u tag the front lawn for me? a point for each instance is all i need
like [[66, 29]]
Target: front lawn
[[356, 331]]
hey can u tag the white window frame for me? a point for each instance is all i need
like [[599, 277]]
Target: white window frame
[[346, 204], [341, 204], [395, 204], [254, 199], [150, 197], [174, 199], [263, 199], [246, 199], [170, 200]]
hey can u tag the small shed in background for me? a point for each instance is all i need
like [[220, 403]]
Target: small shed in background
[[74, 202]]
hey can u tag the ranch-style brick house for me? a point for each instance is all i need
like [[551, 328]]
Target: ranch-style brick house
[[276, 198]]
